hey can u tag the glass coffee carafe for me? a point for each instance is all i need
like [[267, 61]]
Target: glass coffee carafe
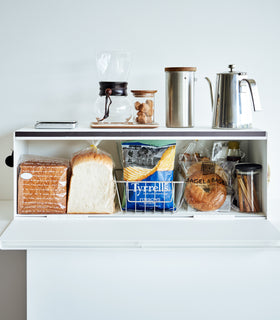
[[113, 105]]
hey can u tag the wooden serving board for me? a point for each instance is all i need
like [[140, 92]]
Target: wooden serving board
[[121, 125]]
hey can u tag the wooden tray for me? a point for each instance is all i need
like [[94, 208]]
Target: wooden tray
[[121, 125]]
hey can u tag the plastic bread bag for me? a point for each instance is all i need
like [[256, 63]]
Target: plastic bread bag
[[42, 185], [207, 187], [148, 166], [220, 151], [92, 185], [196, 151]]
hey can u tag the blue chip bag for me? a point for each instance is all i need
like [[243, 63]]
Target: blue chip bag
[[148, 166]]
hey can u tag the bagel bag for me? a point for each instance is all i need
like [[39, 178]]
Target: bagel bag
[[207, 185], [205, 188]]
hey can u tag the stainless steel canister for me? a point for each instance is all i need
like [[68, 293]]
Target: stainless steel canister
[[179, 83]]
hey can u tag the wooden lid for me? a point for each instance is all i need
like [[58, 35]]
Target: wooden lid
[[143, 93], [180, 69]]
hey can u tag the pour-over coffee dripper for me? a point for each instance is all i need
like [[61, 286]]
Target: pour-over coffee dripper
[[112, 105]]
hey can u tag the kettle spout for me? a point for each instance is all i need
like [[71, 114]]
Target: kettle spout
[[211, 91]]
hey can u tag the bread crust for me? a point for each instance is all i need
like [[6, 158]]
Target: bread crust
[[205, 192], [91, 155], [197, 167], [45, 191]]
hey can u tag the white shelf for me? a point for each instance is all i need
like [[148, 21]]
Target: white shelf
[[85, 132], [221, 215], [148, 232]]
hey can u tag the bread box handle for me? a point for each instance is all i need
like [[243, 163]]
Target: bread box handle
[[10, 160]]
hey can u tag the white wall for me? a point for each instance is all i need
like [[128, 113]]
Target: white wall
[[47, 58]]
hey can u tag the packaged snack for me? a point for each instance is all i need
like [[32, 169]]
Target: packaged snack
[[228, 154], [227, 151], [196, 151], [148, 166], [42, 185], [206, 186], [92, 187]]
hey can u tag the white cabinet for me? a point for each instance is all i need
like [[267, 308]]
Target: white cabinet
[[124, 230]]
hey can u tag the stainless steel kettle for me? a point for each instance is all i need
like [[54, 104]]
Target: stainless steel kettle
[[235, 95]]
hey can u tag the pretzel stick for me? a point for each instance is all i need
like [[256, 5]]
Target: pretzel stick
[[253, 195], [248, 186], [256, 201], [243, 188], [240, 197], [248, 194]]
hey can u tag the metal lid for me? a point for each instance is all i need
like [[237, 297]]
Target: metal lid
[[143, 93], [180, 69], [247, 167], [231, 71]]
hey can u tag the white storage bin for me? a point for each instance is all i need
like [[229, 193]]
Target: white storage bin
[[63, 143]]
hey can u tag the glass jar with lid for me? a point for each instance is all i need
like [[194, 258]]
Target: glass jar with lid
[[234, 153], [144, 106], [113, 105], [249, 186]]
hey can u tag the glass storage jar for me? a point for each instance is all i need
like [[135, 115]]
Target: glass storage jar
[[144, 106], [234, 153], [249, 186]]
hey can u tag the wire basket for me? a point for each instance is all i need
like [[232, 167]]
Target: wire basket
[[149, 197]]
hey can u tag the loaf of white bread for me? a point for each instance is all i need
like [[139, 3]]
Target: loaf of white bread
[[42, 185], [92, 188]]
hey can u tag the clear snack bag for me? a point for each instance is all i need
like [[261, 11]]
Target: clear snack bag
[[207, 183], [206, 187], [196, 151]]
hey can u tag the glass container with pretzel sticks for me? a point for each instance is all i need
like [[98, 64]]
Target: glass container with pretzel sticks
[[249, 181]]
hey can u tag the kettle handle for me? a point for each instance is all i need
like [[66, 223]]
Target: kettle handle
[[254, 94], [211, 91]]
